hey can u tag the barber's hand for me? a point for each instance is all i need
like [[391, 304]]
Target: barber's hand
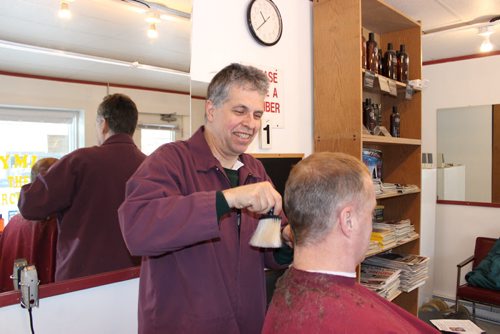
[[287, 236], [256, 197]]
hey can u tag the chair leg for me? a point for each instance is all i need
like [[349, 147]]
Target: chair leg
[[473, 311]]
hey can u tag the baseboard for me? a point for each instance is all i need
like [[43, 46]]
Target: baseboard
[[483, 312]]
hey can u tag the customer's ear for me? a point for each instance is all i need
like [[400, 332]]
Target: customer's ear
[[345, 220]]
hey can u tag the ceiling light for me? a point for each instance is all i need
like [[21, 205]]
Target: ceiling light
[[152, 32], [486, 45], [153, 17], [64, 12], [485, 32]]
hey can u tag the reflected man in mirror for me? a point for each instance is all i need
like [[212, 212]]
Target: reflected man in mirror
[[329, 200], [84, 189], [34, 241]]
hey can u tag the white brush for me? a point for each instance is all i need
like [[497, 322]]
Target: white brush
[[268, 232]]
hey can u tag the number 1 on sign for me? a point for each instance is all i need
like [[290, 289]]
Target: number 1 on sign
[[265, 136]]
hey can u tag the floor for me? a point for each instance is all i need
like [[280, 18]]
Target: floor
[[488, 327]]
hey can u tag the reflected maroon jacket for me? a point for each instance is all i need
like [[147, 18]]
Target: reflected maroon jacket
[[85, 189], [197, 276]]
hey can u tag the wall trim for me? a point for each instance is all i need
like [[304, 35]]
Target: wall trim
[[460, 58], [85, 82]]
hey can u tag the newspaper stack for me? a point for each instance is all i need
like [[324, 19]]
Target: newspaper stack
[[383, 281], [414, 268], [403, 229], [384, 236], [373, 248]]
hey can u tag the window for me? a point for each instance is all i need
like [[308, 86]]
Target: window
[[27, 135], [153, 136]]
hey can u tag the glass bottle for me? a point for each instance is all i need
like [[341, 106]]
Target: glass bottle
[[380, 58], [390, 62], [395, 122], [369, 117], [403, 64], [363, 48], [371, 53]]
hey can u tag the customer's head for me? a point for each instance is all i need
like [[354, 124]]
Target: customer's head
[[117, 113], [325, 189], [41, 167]]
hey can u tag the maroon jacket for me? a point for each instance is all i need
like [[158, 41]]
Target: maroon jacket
[[306, 302], [197, 276], [34, 241], [85, 189]]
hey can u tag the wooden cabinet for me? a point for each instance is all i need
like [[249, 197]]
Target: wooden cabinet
[[338, 96]]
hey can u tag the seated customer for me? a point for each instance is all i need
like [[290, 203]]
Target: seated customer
[[32, 240], [329, 199]]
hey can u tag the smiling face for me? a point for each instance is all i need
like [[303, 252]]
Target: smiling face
[[232, 126]]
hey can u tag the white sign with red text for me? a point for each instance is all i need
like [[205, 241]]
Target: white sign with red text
[[273, 106]]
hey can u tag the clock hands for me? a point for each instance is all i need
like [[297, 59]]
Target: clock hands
[[265, 20]]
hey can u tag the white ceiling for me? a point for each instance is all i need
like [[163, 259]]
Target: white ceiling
[[458, 21], [104, 29], [114, 29]]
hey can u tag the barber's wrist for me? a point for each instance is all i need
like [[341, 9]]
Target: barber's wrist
[[221, 205]]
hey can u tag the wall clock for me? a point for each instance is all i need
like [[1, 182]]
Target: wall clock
[[264, 21]]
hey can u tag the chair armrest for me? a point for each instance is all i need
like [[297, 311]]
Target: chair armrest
[[464, 262]]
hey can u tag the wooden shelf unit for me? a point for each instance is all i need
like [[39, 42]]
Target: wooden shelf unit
[[338, 96]]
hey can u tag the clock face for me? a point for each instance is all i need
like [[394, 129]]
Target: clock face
[[264, 20]]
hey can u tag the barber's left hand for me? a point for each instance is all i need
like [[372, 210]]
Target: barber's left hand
[[287, 236]]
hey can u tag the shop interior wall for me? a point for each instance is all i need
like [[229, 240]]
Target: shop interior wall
[[214, 45], [452, 85]]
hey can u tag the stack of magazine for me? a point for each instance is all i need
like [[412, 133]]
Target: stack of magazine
[[387, 188], [414, 268], [383, 281], [385, 237], [403, 229]]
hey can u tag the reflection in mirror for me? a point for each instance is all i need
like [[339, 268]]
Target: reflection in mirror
[[104, 43], [468, 154]]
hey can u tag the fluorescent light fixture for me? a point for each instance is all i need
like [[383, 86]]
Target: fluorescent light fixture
[[79, 56]]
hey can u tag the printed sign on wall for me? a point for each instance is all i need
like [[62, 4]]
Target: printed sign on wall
[[273, 106]]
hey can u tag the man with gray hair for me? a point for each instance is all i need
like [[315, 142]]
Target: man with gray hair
[[191, 210], [329, 199]]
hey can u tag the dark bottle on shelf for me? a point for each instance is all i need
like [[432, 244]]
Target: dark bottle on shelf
[[371, 53], [390, 62], [395, 122], [380, 62], [363, 48], [403, 64], [369, 117]]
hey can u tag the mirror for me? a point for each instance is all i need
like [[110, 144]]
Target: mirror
[[103, 45], [468, 154]]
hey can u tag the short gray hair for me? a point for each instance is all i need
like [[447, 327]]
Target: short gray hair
[[317, 189], [236, 75]]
